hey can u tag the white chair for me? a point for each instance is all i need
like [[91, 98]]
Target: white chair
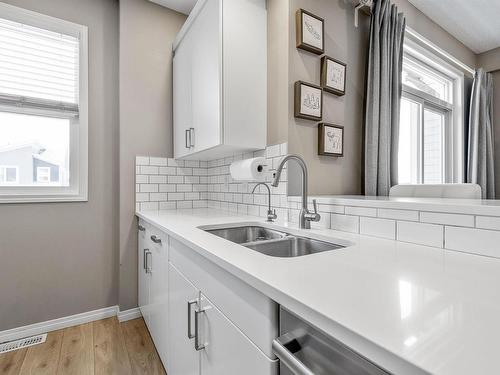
[[455, 191]]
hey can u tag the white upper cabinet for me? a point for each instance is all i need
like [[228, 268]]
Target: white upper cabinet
[[220, 79]]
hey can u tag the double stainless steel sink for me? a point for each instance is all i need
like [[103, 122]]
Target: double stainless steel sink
[[273, 242]]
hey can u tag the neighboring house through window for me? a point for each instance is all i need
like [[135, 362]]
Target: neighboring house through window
[[43, 107], [431, 120]]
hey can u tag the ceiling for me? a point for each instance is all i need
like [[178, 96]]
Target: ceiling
[[474, 22], [182, 6]]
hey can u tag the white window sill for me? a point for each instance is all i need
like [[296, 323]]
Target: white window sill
[[44, 199]]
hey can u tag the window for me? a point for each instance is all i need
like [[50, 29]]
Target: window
[[43, 175], [8, 175], [431, 119], [43, 107]]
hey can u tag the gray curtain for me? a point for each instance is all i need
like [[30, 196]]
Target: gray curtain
[[480, 157], [383, 94]]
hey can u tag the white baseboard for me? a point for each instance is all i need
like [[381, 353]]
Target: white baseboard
[[134, 313], [60, 323]]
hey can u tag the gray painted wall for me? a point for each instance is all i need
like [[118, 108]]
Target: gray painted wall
[[329, 175], [59, 259], [147, 31]]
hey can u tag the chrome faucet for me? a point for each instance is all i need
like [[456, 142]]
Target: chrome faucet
[[271, 214], [305, 216]]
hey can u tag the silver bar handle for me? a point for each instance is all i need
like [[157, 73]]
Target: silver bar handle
[[144, 258], [187, 134], [197, 344], [190, 304], [191, 137], [148, 264], [289, 360], [141, 228], [155, 239]]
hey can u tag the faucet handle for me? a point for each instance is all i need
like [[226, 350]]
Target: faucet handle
[[315, 205]]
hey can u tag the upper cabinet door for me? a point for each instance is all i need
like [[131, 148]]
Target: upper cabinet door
[[182, 110], [183, 358], [227, 350], [205, 79]]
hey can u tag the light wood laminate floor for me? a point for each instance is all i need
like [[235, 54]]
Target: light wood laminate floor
[[104, 347]]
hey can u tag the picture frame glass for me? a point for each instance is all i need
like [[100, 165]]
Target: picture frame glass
[[335, 75], [333, 140], [312, 31], [310, 101]]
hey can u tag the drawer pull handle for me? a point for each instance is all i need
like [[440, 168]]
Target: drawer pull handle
[[190, 308], [155, 239]]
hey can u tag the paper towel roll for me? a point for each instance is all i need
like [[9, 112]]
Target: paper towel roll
[[248, 169]]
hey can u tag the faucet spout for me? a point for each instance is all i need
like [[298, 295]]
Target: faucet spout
[[305, 216]]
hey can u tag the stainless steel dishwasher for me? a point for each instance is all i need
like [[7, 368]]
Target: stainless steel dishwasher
[[303, 350]]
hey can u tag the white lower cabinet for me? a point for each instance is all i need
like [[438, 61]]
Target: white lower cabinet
[[197, 313], [183, 359], [227, 350], [203, 340], [158, 294], [143, 274]]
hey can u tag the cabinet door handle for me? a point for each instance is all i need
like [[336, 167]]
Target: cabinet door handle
[[155, 239], [149, 264], [144, 258], [190, 304], [197, 314], [191, 137], [141, 228], [187, 134]]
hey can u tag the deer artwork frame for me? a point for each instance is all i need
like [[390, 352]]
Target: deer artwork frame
[[330, 140]]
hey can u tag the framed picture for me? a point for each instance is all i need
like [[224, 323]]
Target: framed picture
[[330, 140], [310, 32], [308, 101], [333, 75]]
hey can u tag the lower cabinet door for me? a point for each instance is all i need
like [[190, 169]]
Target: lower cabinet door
[[183, 359], [143, 276], [158, 314], [227, 350]]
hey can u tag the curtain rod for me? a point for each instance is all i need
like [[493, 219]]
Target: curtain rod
[[440, 51]]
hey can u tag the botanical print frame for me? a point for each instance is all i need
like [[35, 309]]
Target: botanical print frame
[[310, 32], [333, 75], [308, 103], [330, 139]]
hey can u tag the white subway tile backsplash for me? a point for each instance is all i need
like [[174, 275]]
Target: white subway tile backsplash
[[184, 204], [175, 196], [361, 211], [158, 197], [476, 241], [420, 233], [345, 223], [141, 160], [148, 188], [175, 179], [168, 205], [447, 219], [141, 179], [149, 205], [331, 208], [166, 188], [147, 169], [158, 179], [142, 197], [384, 228], [158, 161], [167, 170], [184, 187], [488, 222], [398, 214]]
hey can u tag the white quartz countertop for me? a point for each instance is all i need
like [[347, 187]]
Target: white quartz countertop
[[411, 309]]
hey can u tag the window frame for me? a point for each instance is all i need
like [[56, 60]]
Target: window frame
[[4, 167], [453, 151], [77, 191]]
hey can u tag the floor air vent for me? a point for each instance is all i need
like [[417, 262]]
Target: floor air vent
[[22, 343]]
